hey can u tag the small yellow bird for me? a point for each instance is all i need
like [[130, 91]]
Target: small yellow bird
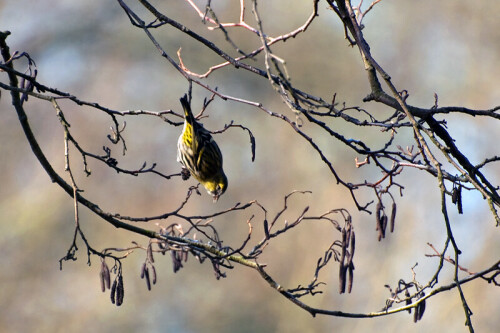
[[198, 152]]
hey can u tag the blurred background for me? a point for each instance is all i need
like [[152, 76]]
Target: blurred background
[[90, 49]]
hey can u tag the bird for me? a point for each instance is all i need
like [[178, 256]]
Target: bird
[[198, 152]]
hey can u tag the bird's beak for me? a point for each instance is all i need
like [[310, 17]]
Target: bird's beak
[[215, 197]]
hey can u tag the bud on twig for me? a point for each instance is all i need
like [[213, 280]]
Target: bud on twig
[[393, 216], [120, 290], [343, 266], [153, 269], [419, 310], [113, 292], [146, 276], [149, 253], [454, 195], [143, 270], [350, 271], [266, 229], [342, 278], [104, 276], [352, 244], [408, 299], [384, 225], [459, 200], [101, 278]]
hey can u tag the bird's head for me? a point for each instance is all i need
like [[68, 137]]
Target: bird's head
[[216, 186]]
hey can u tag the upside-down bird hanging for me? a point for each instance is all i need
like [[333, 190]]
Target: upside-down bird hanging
[[199, 154]]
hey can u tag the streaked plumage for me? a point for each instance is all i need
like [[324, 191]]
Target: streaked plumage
[[198, 152]]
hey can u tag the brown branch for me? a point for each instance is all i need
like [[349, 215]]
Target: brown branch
[[447, 259]]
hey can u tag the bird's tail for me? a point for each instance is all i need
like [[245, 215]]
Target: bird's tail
[[188, 114]]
